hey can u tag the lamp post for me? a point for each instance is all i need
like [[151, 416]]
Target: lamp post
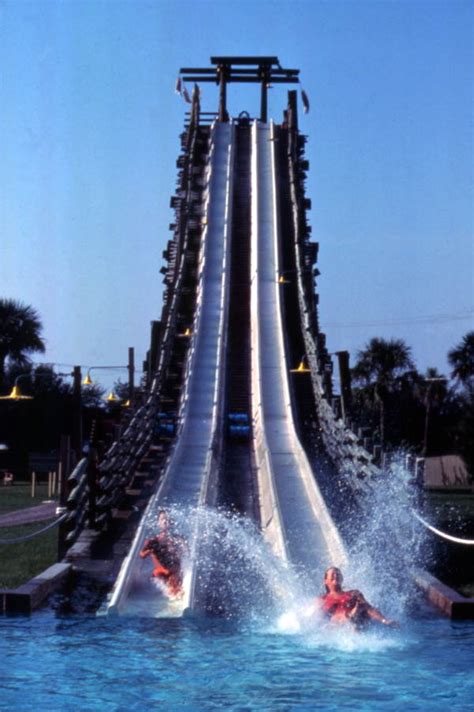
[[302, 367], [15, 392], [16, 395], [131, 376], [430, 382], [76, 434], [77, 413]]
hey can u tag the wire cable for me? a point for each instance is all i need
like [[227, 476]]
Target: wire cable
[[26, 537], [426, 319], [443, 535]]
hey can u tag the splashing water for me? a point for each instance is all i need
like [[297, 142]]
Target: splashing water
[[391, 543], [239, 577], [237, 574]]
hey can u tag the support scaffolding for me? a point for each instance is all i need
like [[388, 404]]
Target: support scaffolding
[[258, 70]]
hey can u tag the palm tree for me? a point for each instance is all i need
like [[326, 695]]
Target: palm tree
[[20, 334], [379, 366], [461, 358]]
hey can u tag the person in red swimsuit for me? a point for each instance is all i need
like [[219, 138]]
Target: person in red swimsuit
[[347, 606], [166, 550]]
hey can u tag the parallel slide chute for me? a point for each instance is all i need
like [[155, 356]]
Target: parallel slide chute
[[190, 478], [294, 517]]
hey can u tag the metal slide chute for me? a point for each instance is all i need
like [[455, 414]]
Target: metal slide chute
[[294, 517], [190, 479]]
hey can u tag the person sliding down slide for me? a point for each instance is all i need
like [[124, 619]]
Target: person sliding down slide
[[347, 606], [166, 550]]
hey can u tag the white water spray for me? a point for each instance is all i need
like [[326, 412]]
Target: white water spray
[[390, 544], [237, 574]]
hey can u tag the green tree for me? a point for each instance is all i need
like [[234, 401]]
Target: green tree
[[461, 360], [380, 368], [121, 390], [20, 335]]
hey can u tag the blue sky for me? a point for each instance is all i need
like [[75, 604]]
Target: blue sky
[[89, 136]]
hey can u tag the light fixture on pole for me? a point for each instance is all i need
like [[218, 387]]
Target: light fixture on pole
[[88, 380], [16, 393], [131, 373], [186, 334], [302, 367]]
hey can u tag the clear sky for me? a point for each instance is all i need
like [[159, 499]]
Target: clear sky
[[89, 136]]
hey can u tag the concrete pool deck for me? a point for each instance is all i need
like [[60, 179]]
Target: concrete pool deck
[[446, 599]]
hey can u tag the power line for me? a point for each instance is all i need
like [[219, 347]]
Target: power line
[[427, 319]]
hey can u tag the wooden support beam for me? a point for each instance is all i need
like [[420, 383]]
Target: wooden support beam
[[265, 70]]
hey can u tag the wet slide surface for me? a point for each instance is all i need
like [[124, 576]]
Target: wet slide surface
[[296, 520], [293, 516], [189, 480]]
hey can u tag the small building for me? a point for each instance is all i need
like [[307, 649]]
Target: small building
[[446, 472]]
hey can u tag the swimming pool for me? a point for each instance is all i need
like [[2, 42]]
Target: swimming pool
[[53, 663], [272, 657]]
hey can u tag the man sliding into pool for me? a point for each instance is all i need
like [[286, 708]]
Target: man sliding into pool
[[347, 606], [166, 550]]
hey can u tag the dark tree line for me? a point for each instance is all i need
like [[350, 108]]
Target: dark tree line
[[37, 424], [426, 413]]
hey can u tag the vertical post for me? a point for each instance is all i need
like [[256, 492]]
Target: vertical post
[[428, 404], [345, 379], [420, 472], [424, 452], [131, 374], [264, 94], [77, 414], [33, 484], [153, 353], [327, 379], [222, 71], [292, 110], [64, 467], [377, 454], [264, 104]]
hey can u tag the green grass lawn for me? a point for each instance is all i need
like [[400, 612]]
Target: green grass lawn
[[20, 562], [18, 496]]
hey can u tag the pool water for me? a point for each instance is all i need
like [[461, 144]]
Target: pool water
[[269, 654], [53, 663]]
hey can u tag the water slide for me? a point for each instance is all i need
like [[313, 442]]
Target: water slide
[[190, 479], [294, 517]]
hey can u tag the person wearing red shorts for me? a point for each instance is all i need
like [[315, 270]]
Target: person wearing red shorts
[[166, 550]]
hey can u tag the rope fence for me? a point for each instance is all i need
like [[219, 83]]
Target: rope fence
[[27, 537]]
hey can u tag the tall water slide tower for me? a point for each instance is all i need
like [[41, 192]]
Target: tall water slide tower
[[240, 401]]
